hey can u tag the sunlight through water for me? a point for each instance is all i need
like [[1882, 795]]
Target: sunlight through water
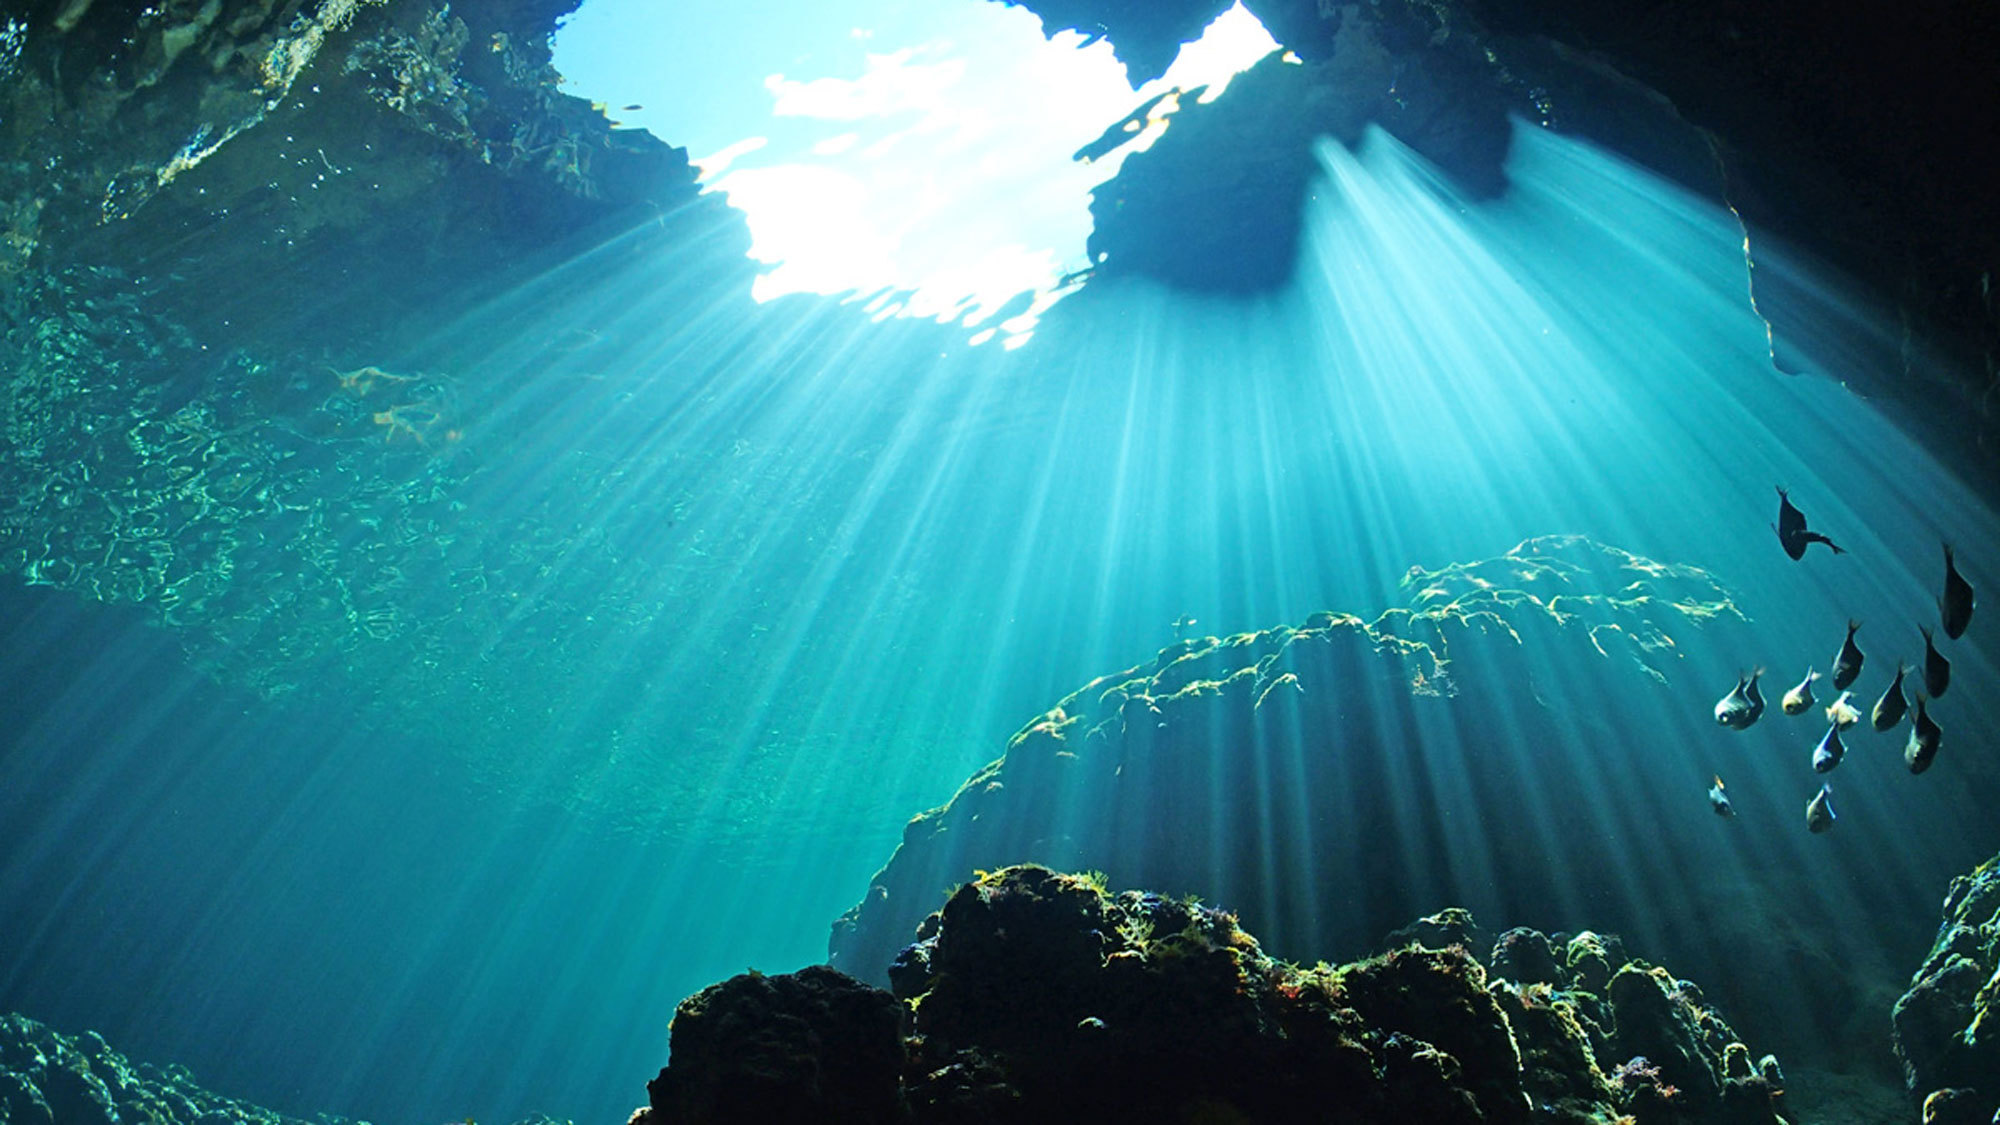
[[929, 165], [443, 753]]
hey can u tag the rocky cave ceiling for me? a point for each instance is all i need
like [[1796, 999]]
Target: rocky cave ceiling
[[148, 140]]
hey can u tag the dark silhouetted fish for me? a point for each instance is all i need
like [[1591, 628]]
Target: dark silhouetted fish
[[1801, 697], [1925, 735], [1742, 707], [1720, 801], [1847, 665], [1791, 529], [1829, 752], [1889, 709], [1937, 670], [1819, 810], [1955, 605]]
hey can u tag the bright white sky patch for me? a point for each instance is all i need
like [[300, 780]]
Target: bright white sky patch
[[918, 145], [716, 163]]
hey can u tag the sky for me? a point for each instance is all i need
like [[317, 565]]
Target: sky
[[910, 151]]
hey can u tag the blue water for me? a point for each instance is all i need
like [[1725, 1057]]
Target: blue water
[[639, 674]]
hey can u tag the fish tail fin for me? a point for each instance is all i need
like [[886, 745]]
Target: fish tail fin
[[1947, 551], [1852, 625], [1836, 547]]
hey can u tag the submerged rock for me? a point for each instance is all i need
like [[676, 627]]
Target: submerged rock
[[47, 1078], [1037, 996], [1947, 1026], [816, 1045], [390, 160], [1148, 748]]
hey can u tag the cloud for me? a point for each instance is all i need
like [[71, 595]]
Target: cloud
[[891, 84], [716, 163]]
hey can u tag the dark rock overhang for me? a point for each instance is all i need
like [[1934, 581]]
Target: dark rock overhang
[[1858, 141], [396, 161]]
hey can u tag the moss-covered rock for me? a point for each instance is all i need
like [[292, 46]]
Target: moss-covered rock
[[1147, 748], [816, 1045], [1947, 1026], [48, 1078], [1035, 996]]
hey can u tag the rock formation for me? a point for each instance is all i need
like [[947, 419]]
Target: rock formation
[[1948, 1023], [1145, 749], [47, 1078], [1779, 112], [1035, 996], [394, 161]]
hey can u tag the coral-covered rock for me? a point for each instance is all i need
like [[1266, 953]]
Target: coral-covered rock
[[1148, 748], [393, 159], [1038, 996], [1524, 956], [47, 1078], [1947, 1026], [1954, 1106], [1655, 1020], [816, 1045], [1559, 1068], [1451, 926], [1438, 996]]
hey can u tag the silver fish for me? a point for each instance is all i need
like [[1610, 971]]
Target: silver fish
[[1829, 751], [1889, 709], [1925, 735], [1819, 810], [1801, 697], [1937, 670], [1847, 663], [1718, 800], [1743, 706], [1955, 604]]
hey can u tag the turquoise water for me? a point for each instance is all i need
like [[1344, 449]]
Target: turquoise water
[[599, 648]]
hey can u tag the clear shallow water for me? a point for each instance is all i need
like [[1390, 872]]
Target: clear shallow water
[[761, 581]]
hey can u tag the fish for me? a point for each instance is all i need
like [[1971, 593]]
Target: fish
[[1890, 709], [1841, 713], [1829, 752], [1743, 706], [1718, 800], [1801, 697], [1847, 664], [1925, 735], [1955, 604], [1937, 670], [1819, 810], [1791, 529]]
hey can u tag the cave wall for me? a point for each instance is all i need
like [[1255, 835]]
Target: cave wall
[[1853, 140]]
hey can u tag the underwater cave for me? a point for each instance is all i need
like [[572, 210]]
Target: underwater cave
[[944, 560]]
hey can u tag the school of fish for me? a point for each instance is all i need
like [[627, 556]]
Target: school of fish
[[1744, 704]]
